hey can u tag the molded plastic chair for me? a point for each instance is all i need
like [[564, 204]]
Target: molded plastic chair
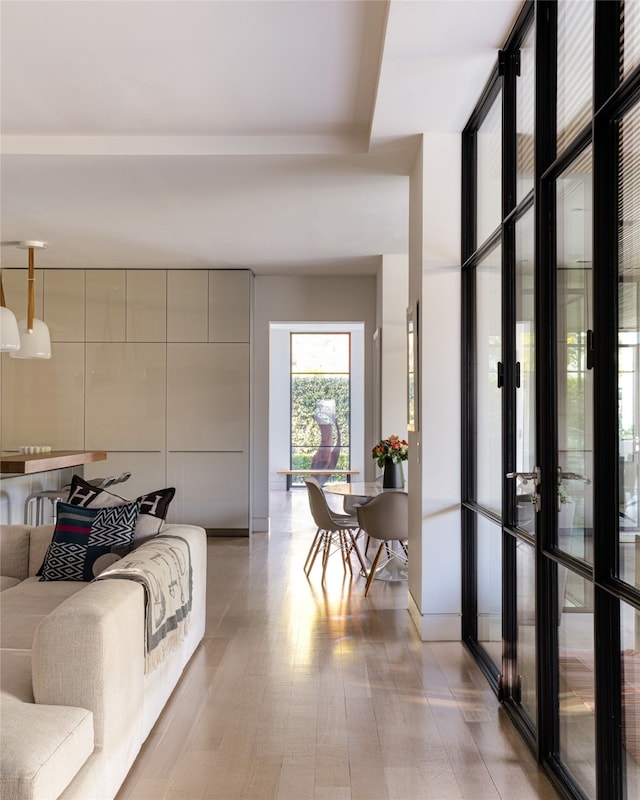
[[350, 505], [334, 533], [386, 518]]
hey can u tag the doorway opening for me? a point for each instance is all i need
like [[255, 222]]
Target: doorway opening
[[316, 399]]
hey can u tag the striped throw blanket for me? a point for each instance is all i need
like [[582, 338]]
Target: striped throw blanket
[[163, 566]]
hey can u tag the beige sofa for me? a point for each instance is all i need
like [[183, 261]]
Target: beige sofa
[[77, 695]]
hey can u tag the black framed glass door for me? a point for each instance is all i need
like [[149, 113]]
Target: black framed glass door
[[551, 389]]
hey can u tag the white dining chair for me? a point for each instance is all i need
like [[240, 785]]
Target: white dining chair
[[386, 518], [335, 532]]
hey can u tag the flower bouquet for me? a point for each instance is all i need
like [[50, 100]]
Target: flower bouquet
[[391, 449]]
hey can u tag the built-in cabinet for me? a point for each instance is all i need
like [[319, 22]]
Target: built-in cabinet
[[153, 366]]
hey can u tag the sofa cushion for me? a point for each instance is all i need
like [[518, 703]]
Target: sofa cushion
[[25, 605], [6, 582], [154, 506], [83, 535], [40, 539], [41, 748], [15, 675], [14, 551]]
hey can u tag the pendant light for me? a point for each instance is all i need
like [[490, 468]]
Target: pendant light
[[35, 341], [9, 336]]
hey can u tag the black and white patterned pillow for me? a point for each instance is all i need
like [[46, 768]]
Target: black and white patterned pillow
[[84, 536], [154, 506]]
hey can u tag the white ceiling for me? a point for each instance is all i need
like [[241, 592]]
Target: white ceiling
[[228, 133]]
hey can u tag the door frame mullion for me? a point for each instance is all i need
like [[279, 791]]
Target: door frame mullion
[[608, 690], [545, 361], [468, 403], [508, 66]]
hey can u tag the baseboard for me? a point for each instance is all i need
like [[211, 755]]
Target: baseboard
[[227, 532], [435, 627]]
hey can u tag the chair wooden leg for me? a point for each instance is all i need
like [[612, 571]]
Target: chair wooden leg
[[372, 571], [346, 551], [312, 550], [354, 546], [343, 540], [339, 538], [325, 554], [319, 547]]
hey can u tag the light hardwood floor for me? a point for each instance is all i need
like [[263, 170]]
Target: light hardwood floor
[[304, 693]]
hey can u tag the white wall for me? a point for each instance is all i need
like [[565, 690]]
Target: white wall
[[290, 298], [279, 402], [393, 299], [434, 467]]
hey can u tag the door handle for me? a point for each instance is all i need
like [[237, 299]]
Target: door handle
[[525, 477], [572, 476]]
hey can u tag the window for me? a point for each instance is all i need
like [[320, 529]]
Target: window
[[628, 343], [489, 204], [524, 119], [320, 402], [575, 68], [488, 429]]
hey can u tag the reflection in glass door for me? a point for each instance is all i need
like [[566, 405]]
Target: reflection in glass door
[[629, 430], [489, 398], [525, 463], [488, 446], [574, 374], [629, 417], [525, 433], [574, 495], [576, 685], [628, 346]]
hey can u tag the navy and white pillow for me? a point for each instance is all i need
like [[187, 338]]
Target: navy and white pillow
[[154, 506], [84, 538]]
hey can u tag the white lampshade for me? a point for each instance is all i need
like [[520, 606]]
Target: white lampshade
[[34, 343], [9, 336]]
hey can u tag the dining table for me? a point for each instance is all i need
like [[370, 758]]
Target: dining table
[[364, 490], [396, 566]]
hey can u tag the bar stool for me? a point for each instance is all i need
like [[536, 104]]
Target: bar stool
[[34, 505]]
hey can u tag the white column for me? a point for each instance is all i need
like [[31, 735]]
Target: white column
[[393, 294], [434, 465]]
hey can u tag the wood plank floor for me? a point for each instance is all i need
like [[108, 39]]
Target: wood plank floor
[[304, 693]]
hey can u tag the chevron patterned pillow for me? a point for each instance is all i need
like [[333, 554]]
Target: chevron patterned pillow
[[84, 535]]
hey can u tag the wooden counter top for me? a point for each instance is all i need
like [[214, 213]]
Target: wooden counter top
[[43, 462]]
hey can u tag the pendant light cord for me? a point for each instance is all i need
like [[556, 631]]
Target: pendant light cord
[[3, 302], [31, 292]]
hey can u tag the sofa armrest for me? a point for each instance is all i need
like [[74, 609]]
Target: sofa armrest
[[22, 549], [89, 652], [196, 536], [41, 748]]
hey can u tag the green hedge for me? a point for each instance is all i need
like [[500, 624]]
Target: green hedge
[[306, 391]]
